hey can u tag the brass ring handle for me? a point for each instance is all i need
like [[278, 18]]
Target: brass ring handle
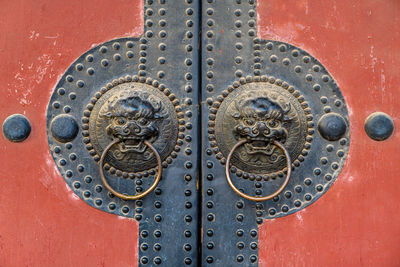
[[130, 197], [277, 192]]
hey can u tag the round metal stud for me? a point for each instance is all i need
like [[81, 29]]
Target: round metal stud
[[332, 126], [64, 128], [16, 128], [379, 126]]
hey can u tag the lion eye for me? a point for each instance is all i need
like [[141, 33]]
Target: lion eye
[[249, 122], [121, 121], [272, 123], [143, 121]]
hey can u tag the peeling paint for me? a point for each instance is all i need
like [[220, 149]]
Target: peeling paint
[[124, 218], [52, 37], [299, 217], [68, 189], [73, 196], [33, 35], [29, 76], [373, 58], [44, 63]]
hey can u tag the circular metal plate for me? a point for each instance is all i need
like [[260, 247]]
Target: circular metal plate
[[258, 110], [132, 112], [315, 130], [100, 98]]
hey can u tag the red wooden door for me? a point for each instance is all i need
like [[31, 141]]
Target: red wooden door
[[42, 222], [356, 223]]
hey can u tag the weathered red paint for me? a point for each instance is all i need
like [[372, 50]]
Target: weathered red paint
[[357, 222], [42, 223]]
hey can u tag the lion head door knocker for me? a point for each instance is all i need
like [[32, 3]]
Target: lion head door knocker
[[127, 126], [261, 127], [262, 130], [112, 133]]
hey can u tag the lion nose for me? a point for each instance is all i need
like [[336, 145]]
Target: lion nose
[[259, 129], [131, 127], [126, 130], [263, 128]]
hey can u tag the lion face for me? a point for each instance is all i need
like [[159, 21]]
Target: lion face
[[260, 120], [133, 118]]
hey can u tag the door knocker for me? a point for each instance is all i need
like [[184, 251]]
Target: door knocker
[[246, 196], [130, 197], [261, 128], [127, 128], [113, 134], [134, 116]]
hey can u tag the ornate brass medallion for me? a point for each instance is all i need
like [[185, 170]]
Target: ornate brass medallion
[[133, 112], [107, 107], [262, 111]]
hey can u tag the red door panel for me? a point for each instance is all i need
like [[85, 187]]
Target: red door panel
[[42, 223], [356, 223]]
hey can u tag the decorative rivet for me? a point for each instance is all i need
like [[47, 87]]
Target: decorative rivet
[[298, 189], [144, 260], [379, 126], [157, 260], [253, 258], [332, 126], [64, 128], [144, 246], [16, 128], [187, 233], [239, 258]]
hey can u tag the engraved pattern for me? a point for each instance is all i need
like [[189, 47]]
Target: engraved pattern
[[133, 112], [261, 110]]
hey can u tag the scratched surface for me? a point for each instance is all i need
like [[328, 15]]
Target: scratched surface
[[42, 223], [357, 222]]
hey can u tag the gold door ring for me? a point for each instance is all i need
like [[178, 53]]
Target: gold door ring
[[123, 196], [277, 192]]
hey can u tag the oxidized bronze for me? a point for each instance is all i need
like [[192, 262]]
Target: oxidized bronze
[[262, 112], [122, 195], [246, 196], [133, 113]]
